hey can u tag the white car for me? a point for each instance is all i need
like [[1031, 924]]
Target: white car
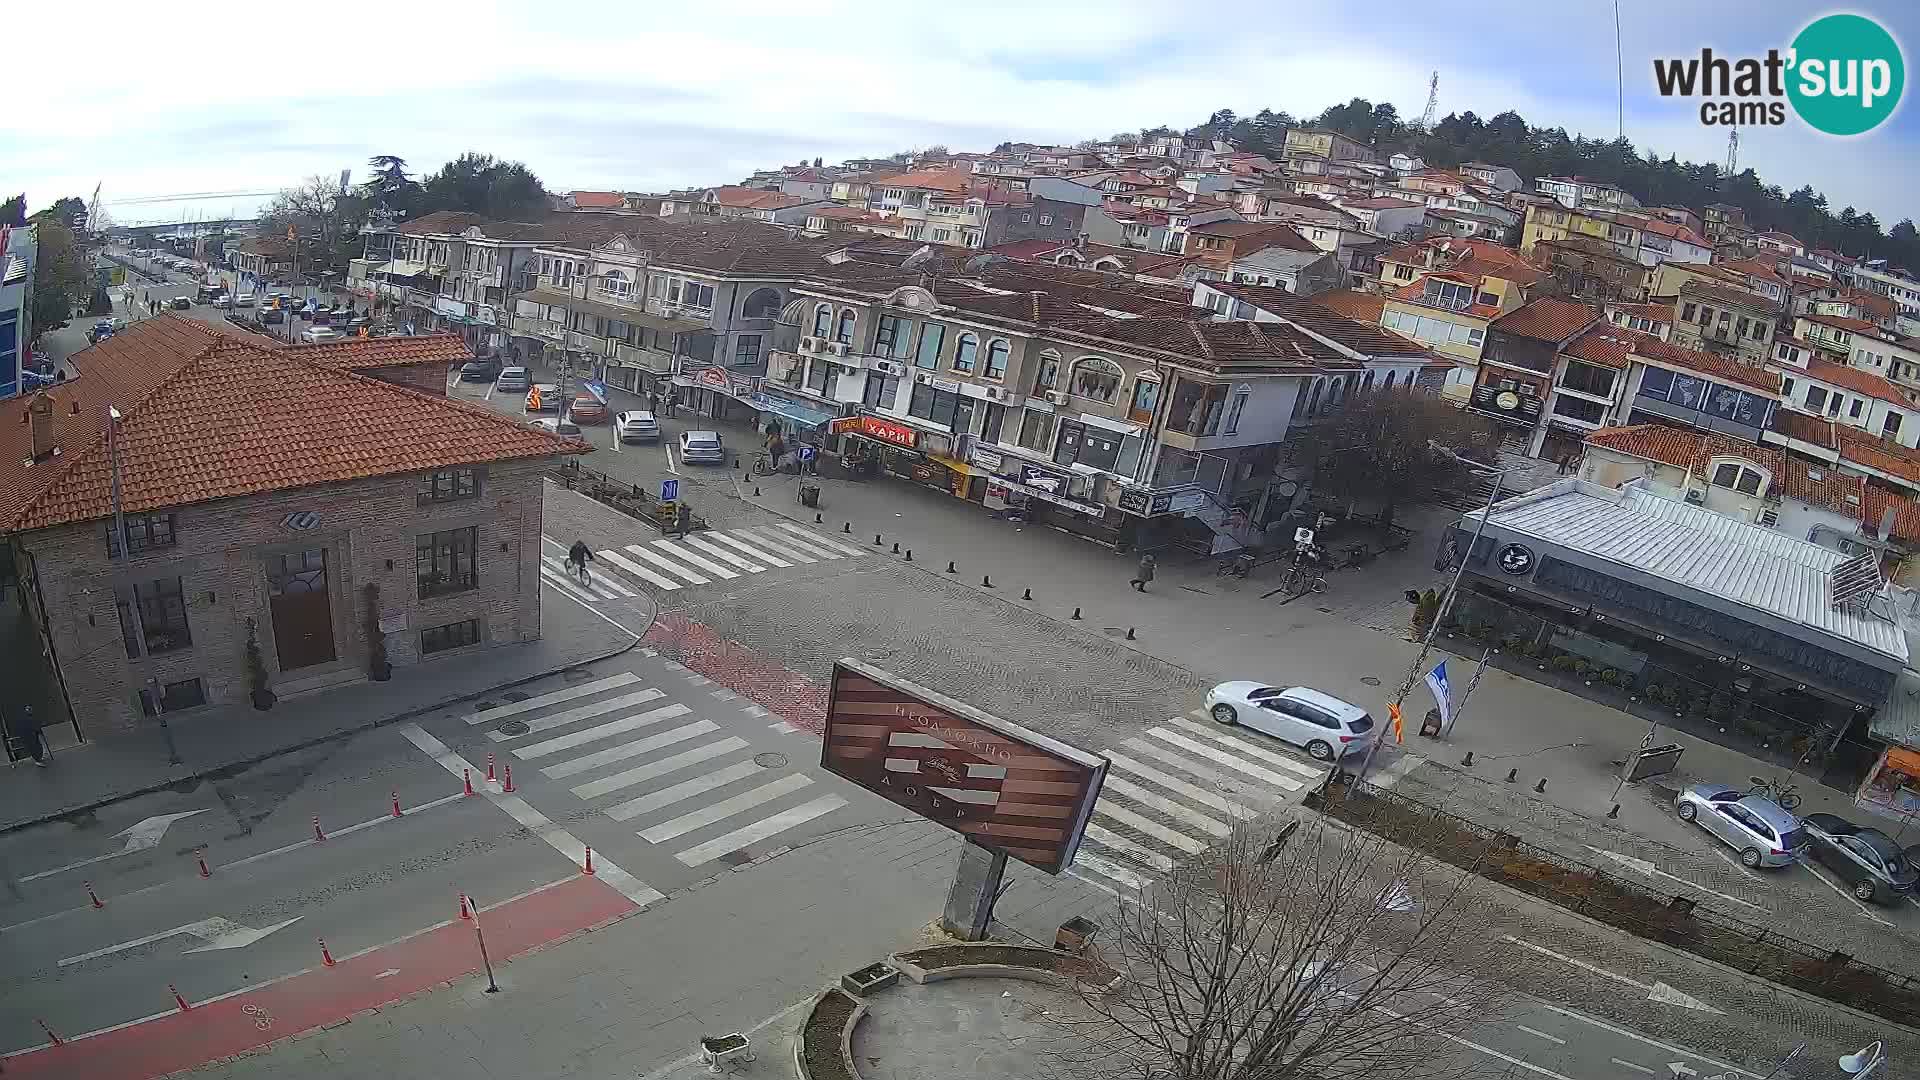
[[702, 447], [555, 426], [637, 426], [1327, 727], [319, 334], [245, 299]]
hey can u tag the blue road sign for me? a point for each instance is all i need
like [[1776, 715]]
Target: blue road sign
[[669, 490]]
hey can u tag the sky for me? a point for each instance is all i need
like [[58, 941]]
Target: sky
[[152, 100]]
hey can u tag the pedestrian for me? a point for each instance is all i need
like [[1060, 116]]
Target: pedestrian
[[672, 399], [29, 734], [653, 402], [1142, 574], [683, 520]]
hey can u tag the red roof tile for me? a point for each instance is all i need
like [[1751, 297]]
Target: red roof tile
[[1547, 319], [1856, 326], [1352, 303], [1608, 346], [1872, 452], [1653, 349], [599, 200], [1858, 380], [361, 354], [1805, 428], [283, 423]]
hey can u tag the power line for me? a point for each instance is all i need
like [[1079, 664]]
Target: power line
[[189, 196]]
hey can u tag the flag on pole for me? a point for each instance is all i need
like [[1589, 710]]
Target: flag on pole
[[290, 232], [1393, 716], [1442, 693]]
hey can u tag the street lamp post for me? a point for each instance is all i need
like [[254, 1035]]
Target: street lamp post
[[1453, 587], [1866, 1060]]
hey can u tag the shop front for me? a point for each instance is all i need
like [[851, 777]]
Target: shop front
[[718, 393], [1066, 499], [1892, 787], [798, 418]]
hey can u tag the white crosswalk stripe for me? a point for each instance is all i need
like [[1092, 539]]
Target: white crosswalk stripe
[[683, 553], [748, 549], [1167, 806], [723, 554], [582, 712], [669, 565], [674, 563], [821, 539], [775, 540], [1218, 734], [1108, 838], [567, 585], [600, 758], [1175, 784], [1224, 758], [607, 784], [638, 571], [598, 686], [686, 789], [772, 825], [602, 731], [725, 808]]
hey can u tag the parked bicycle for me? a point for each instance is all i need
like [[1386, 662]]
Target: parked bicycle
[[1786, 798], [1304, 578], [1239, 566]]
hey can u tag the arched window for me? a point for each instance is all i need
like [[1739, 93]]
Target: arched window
[[1146, 398], [1047, 375], [1388, 385], [1368, 384], [996, 359], [964, 351], [822, 320], [844, 332], [761, 304], [617, 284], [1313, 400], [1095, 378]]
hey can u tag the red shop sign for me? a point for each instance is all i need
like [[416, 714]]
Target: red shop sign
[[714, 377], [887, 431]]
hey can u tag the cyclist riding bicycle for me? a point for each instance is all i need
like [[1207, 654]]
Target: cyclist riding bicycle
[[578, 556]]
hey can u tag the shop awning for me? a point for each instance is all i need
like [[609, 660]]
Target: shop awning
[[960, 467], [791, 410], [637, 317], [400, 269]]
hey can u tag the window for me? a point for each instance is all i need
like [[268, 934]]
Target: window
[[1036, 430], [995, 418], [451, 636], [822, 320], [1742, 329], [746, 350], [964, 351], [934, 406], [1591, 412], [617, 284], [843, 333], [1046, 219], [449, 485], [696, 295], [762, 304], [1489, 299], [1047, 375], [1234, 410], [880, 391], [1025, 218], [1786, 388], [163, 617], [145, 532], [1816, 398], [941, 236], [1448, 294], [932, 336], [1587, 379], [818, 372], [1891, 425], [1146, 396], [1853, 410], [444, 562], [1095, 378], [174, 696], [996, 359], [1783, 351], [1746, 481]]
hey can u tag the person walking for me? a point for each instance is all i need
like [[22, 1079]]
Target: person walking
[[1142, 574], [28, 732]]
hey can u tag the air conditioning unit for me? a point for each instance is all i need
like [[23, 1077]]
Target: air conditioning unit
[[841, 348], [890, 367], [1696, 496], [923, 376], [1058, 397]]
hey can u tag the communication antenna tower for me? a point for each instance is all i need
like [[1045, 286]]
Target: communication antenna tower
[[1433, 101]]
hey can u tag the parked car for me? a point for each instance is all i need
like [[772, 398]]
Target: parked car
[[1327, 727], [223, 300], [1865, 858], [273, 315], [318, 334], [587, 409], [1762, 832], [637, 426], [555, 425], [181, 303], [702, 448], [245, 299], [543, 397], [480, 369], [514, 378], [100, 331]]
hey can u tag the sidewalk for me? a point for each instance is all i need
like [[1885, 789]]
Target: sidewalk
[[223, 738]]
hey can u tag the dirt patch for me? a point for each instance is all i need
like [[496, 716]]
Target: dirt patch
[[820, 1039], [946, 956], [1673, 921]]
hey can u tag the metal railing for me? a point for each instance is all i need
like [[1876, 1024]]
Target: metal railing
[[1677, 921], [628, 498]]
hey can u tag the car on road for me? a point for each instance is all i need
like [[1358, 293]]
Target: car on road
[[318, 334], [1756, 827], [1325, 726], [637, 426], [273, 315], [702, 448], [245, 299], [543, 397], [100, 331], [480, 369], [514, 378], [181, 303], [554, 425], [1868, 860], [587, 409]]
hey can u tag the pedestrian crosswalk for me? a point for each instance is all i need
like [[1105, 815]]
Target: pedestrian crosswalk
[[703, 558], [1175, 790], [679, 779]]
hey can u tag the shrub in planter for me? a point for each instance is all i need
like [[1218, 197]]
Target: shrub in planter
[[1564, 663], [263, 697], [1582, 666], [378, 669], [1611, 676]]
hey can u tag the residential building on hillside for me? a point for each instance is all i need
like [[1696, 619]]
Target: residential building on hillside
[[1404, 163], [1877, 276], [1450, 306], [1385, 215], [290, 536], [1593, 270], [1391, 360], [1497, 177], [1732, 322], [260, 261], [1725, 222], [1852, 396], [1832, 336], [1783, 243], [1655, 320], [1521, 369], [1578, 191], [1303, 273], [1683, 216], [1304, 142], [1217, 244]]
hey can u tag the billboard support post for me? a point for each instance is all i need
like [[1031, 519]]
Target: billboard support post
[[976, 885]]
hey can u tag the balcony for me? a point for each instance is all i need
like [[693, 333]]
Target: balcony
[[1509, 405], [660, 363]]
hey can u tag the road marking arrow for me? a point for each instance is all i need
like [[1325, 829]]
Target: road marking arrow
[[218, 933], [1680, 1068], [388, 974], [1646, 867], [141, 836], [1656, 991]]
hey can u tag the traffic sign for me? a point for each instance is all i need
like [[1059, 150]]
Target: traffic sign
[[669, 490]]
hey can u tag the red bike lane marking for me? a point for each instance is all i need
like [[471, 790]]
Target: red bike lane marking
[[786, 693], [323, 995]]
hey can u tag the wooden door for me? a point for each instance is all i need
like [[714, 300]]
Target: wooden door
[[302, 614]]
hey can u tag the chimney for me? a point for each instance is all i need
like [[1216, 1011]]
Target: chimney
[[40, 425]]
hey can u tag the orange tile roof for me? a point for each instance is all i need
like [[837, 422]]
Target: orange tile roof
[[282, 423], [1805, 428], [361, 354], [1857, 326], [1352, 303], [1872, 452], [1760, 268], [1678, 447], [1858, 380], [1606, 345], [1656, 312], [1721, 295], [601, 200], [1547, 319]]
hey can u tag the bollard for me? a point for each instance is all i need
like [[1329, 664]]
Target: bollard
[[950, 567], [876, 539], [177, 999], [986, 581], [318, 836], [588, 868], [93, 896], [396, 803], [204, 872], [817, 519], [1027, 594], [490, 778], [736, 464], [896, 547], [1541, 787], [1130, 636], [1614, 814], [1512, 774], [846, 526], [1076, 614], [508, 786], [756, 490], [325, 956], [465, 915], [1467, 762], [909, 554], [466, 777]]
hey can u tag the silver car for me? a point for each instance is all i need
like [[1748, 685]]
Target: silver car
[[702, 448], [637, 426], [1763, 833]]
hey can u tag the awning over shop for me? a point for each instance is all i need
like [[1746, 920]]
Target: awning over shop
[[960, 467], [580, 304], [400, 269], [1898, 721], [791, 410]]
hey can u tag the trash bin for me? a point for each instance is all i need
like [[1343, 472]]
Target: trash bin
[[810, 496]]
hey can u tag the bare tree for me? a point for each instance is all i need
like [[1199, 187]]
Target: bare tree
[[1336, 955], [320, 214], [1374, 444]]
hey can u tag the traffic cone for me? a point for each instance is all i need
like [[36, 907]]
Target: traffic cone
[[396, 804], [93, 896], [490, 778], [325, 956], [588, 868], [177, 999], [318, 836], [508, 786], [465, 914], [817, 519], [466, 775]]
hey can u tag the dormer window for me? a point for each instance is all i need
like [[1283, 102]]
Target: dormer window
[[1738, 475]]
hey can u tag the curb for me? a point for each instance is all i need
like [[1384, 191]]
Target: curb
[[465, 695]]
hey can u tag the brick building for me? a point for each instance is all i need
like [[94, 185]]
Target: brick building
[[266, 491]]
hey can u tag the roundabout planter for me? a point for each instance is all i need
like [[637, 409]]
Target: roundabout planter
[[824, 1050]]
